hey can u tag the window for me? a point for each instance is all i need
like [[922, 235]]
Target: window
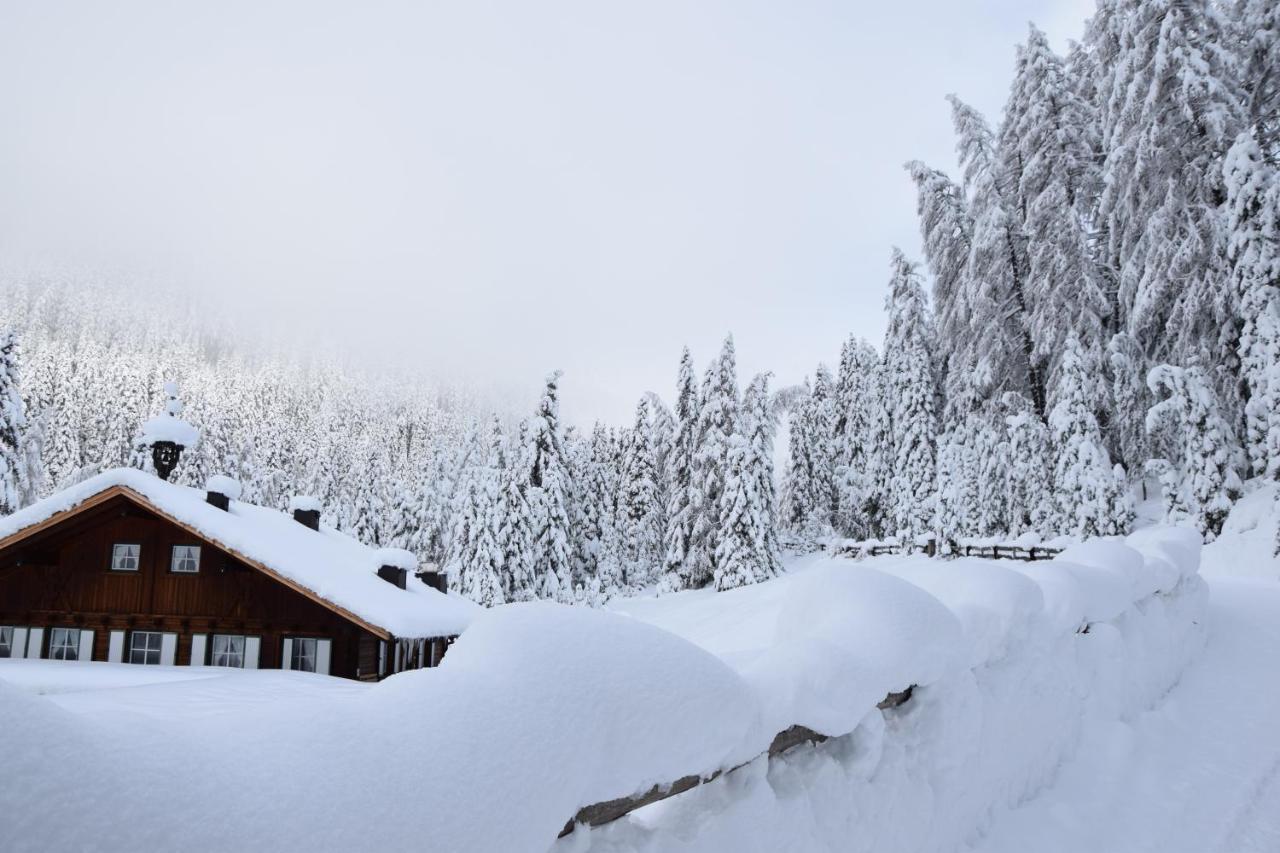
[[186, 559], [303, 656], [228, 650], [144, 647], [124, 557], [64, 644], [6, 642]]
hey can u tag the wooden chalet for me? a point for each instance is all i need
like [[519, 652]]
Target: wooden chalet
[[129, 568]]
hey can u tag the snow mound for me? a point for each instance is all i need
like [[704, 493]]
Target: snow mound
[[224, 485], [844, 639], [304, 503], [997, 607], [395, 557], [169, 428]]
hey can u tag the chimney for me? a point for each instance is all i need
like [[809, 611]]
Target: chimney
[[394, 575], [434, 578], [394, 565], [221, 491], [306, 511]]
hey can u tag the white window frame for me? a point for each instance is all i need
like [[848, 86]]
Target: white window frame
[[186, 551], [147, 650], [238, 654], [7, 636], [64, 644], [117, 555], [298, 648]]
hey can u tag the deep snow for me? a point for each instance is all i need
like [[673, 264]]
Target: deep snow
[[540, 709]]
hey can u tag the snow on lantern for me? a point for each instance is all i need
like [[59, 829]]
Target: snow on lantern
[[168, 434]]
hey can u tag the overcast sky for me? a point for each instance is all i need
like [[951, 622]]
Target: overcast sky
[[489, 190]]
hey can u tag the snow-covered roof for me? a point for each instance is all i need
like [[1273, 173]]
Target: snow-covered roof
[[332, 565]]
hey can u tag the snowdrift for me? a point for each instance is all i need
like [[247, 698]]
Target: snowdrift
[[540, 710]]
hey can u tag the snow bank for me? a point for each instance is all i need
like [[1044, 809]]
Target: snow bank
[[1038, 663], [1246, 547], [541, 709]]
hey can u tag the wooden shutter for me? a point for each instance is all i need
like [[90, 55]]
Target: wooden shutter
[[382, 658], [286, 659], [252, 649], [115, 647], [86, 645], [35, 643], [18, 649], [323, 649], [198, 642], [168, 649]]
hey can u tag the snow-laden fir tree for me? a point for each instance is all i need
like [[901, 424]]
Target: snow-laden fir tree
[[1091, 498], [1198, 445], [31, 474], [992, 453], [759, 427], [484, 580], [639, 520], [1129, 400], [748, 551], [857, 411], [946, 228], [1046, 152], [682, 496], [717, 422], [551, 490], [999, 322], [518, 517], [823, 448], [800, 504], [1029, 499], [1253, 212], [13, 423], [1170, 107], [960, 478], [910, 397]]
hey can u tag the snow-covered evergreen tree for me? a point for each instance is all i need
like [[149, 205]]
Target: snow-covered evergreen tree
[[1046, 152], [1170, 107], [639, 521], [855, 452], [484, 580], [1253, 206], [946, 227], [682, 495], [910, 397], [1089, 499], [717, 422], [551, 489], [1029, 499], [1197, 445], [999, 321], [13, 423]]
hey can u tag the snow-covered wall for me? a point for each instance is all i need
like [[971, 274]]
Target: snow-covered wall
[[985, 735]]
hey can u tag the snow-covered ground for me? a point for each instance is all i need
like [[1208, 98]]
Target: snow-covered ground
[[541, 709]]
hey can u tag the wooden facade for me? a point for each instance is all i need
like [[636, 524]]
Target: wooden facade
[[60, 575]]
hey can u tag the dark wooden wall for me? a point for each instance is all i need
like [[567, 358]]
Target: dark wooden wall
[[63, 577]]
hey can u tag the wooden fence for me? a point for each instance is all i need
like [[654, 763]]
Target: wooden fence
[[1004, 551]]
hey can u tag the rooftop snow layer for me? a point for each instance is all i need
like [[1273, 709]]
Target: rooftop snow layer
[[328, 563]]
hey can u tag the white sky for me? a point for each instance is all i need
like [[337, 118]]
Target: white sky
[[488, 190]]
